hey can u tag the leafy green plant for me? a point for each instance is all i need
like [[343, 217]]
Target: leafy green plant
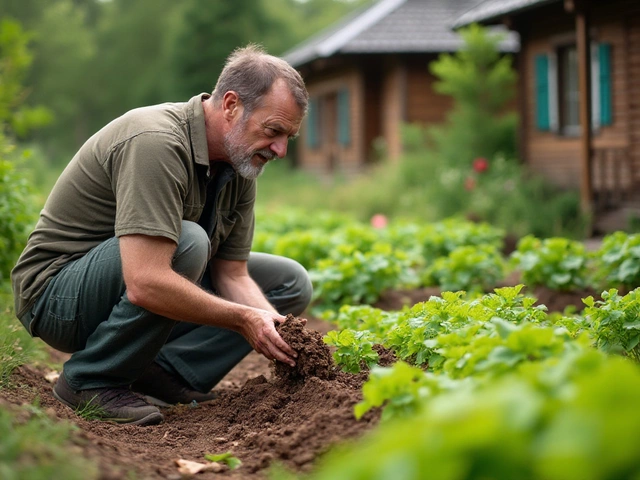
[[353, 277], [400, 388], [227, 458], [509, 303], [353, 349], [615, 322], [508, 428], [439, 239], [365, 317], [617, 261], [558, 263], [17, 215], [476, 268], [425, 320], [497, 347]]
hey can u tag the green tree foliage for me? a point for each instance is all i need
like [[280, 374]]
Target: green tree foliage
[[131, 68], [60, 71], [16, 212], [95, 59], [481, 81], [206, 34]]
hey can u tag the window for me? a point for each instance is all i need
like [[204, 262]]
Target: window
[[569, 91], [344, 118], [313, 123], [558, 89]]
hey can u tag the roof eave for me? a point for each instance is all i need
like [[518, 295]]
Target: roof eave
[[496, 17]]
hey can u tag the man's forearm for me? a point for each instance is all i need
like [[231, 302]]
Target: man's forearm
[[244, 291]]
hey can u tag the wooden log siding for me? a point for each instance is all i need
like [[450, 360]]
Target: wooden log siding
[[616, 24], [339, 103]]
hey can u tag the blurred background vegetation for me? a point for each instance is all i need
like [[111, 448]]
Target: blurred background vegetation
[[68, 67]]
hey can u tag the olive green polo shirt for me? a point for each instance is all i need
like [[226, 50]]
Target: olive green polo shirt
[[143, 173]]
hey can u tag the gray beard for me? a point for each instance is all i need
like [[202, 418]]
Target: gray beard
[[240, 156]]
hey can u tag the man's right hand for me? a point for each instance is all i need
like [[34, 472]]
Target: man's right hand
[[260, 331]]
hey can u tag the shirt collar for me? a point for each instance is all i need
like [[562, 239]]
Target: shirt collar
[[198, 130]]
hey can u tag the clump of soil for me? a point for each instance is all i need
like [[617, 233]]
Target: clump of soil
[[314, 357], [386, 357]]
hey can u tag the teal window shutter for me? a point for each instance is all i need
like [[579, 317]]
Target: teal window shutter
[[344, 118], [604, 59], [542, 92], [313, 135]]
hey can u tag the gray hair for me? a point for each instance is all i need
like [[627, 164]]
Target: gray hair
[[250, 72]]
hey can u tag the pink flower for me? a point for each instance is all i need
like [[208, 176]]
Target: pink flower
[[480, 164], [379, 221], [469, 183]]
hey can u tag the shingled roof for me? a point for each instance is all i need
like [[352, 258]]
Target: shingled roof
[[492, 10], [392, 26]]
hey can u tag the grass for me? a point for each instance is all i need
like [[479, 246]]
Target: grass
[[35, 447], [32, 445], [16, 345], [91, 411]]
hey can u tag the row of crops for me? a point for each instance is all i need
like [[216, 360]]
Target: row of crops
[[353, 263], [487, 385]]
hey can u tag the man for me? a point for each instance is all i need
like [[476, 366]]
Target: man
[[152, 215]]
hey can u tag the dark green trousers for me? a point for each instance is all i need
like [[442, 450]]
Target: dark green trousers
[[85, 311]]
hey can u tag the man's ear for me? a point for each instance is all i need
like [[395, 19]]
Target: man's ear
[[231, 105]]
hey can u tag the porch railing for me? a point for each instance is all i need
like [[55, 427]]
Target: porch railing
[[612, 176]]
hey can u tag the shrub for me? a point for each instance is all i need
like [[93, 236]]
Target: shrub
[[557, 263], [617, 262]]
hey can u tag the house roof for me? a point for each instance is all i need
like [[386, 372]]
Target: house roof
[[391, 26], [491, 10]]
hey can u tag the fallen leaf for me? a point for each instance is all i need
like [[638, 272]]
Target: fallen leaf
[[191, 468], [52, 377]]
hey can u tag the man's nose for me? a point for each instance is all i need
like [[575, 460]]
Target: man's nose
[[279, 147]]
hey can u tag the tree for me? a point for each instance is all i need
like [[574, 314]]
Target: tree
[[207, 33], [481, 81]]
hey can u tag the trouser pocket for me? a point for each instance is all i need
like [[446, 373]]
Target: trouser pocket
[[56, 317]]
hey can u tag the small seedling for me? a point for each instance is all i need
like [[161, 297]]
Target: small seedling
[[227, 458]]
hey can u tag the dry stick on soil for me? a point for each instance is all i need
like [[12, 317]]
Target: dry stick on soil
[[314, 357]]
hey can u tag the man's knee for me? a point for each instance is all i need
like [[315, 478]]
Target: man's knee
[[193, 252], [302, 285], [285, 282]]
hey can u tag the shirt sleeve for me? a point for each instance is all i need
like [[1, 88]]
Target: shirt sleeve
[[150, 181]]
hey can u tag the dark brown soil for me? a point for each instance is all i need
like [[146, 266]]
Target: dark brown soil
[[314, 357], [265, 413]]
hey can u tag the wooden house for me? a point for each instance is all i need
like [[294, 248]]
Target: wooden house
[[579, 91], [368, 74]]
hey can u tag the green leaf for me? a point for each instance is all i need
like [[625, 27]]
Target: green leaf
[[227, 458]]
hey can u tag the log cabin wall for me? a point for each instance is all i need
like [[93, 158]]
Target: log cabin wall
[[327, 154], [424, 104], [617, 23]]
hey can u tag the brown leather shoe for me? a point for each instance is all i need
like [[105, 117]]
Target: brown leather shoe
[[111, 404], [163, 389]]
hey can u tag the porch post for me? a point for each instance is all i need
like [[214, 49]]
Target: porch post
[[584, 67]]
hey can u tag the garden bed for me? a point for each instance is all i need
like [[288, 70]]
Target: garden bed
[[260, 417]]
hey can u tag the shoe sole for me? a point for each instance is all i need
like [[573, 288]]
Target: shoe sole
[[156, 401], [153, 418], [161, 403]]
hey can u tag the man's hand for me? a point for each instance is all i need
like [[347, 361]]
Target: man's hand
[[260, 332]]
